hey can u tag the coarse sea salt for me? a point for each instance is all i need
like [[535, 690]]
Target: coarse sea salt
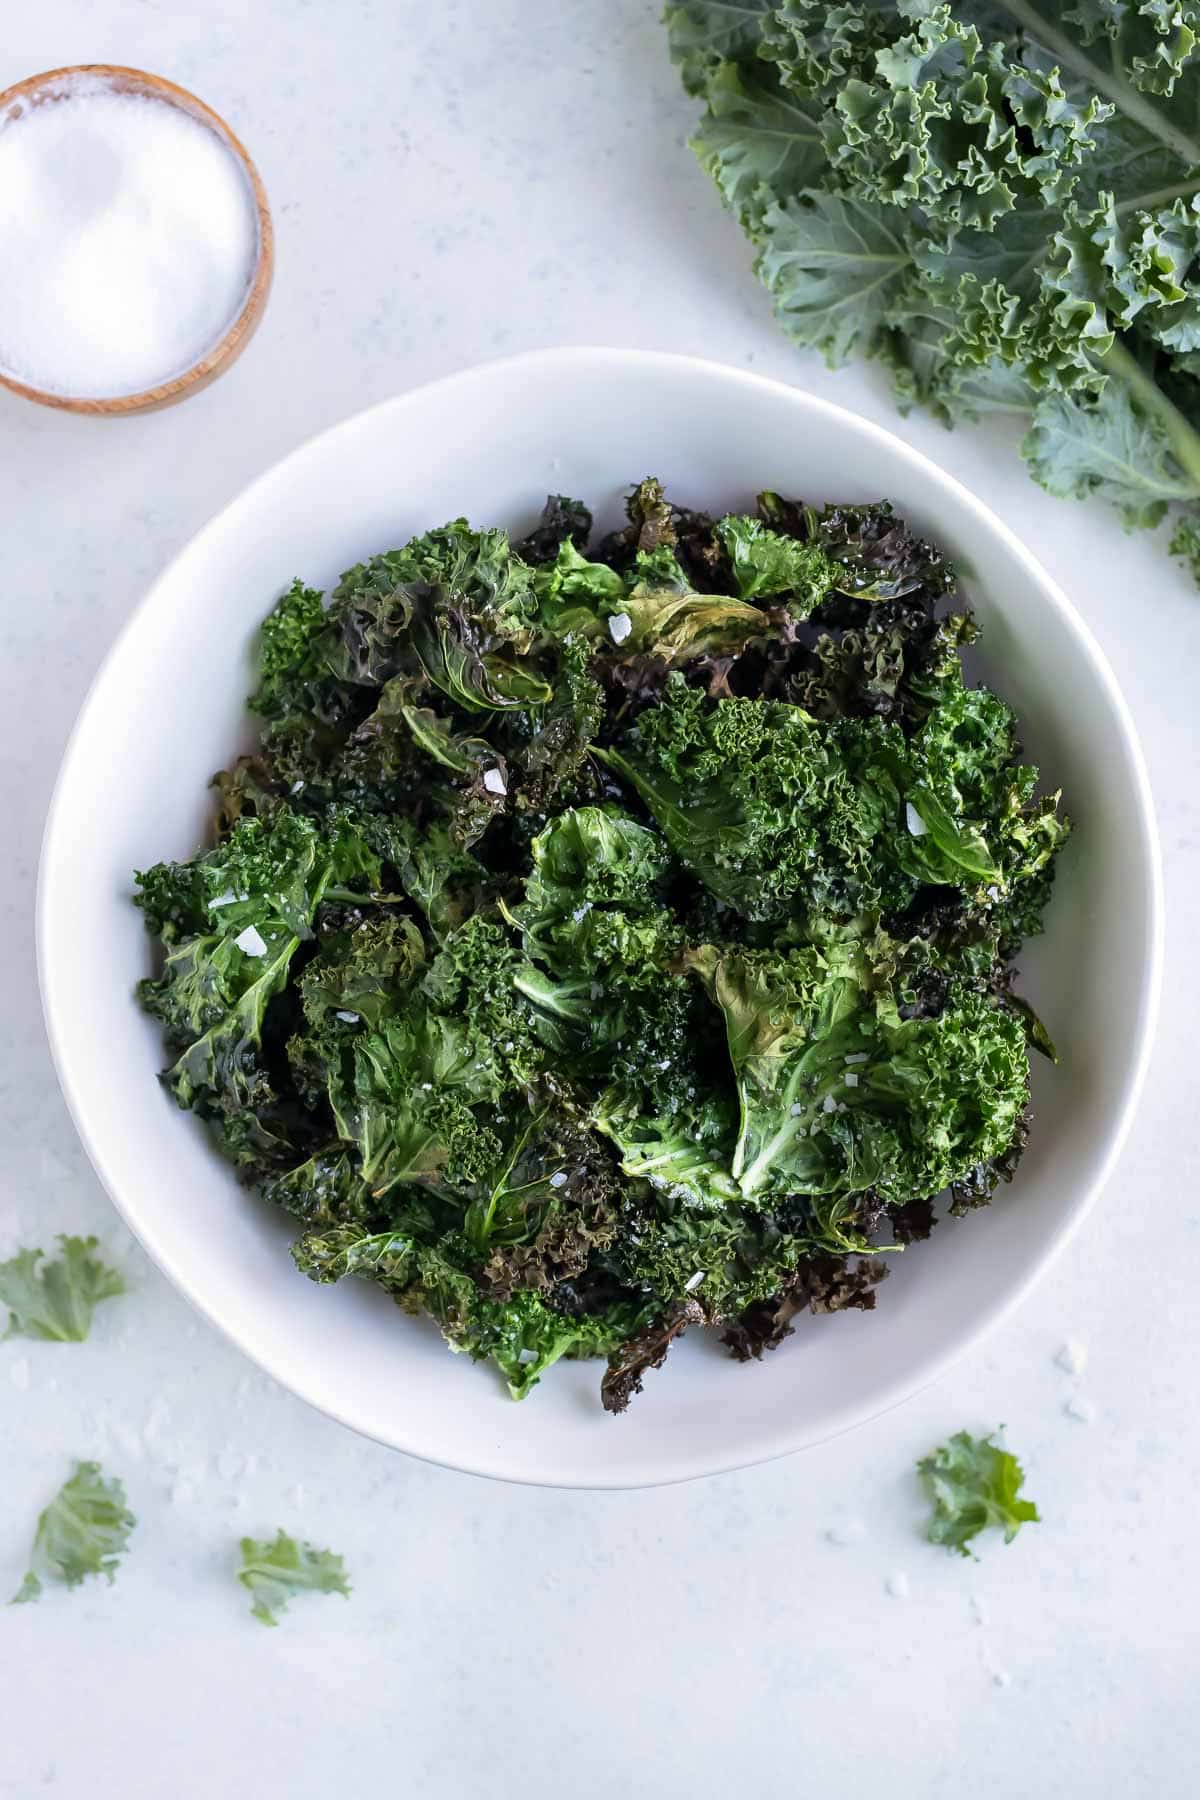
[[128, 241]]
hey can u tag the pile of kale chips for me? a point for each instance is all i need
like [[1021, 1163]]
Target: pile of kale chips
[[602, 943]]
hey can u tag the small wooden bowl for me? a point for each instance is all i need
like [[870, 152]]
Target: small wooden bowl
[[38, 90]]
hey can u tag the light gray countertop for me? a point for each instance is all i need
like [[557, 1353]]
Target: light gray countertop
[[451, 182]]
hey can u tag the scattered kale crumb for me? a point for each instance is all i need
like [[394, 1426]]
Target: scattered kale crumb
[[274, 1570], [610, 939], [973, 1485]]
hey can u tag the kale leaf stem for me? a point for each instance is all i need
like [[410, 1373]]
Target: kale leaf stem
[[1107, 81], [1181, 190], [1182, 437]]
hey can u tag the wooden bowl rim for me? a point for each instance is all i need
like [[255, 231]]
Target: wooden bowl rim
[[233, 341]]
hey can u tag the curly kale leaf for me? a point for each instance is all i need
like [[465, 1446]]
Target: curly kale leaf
[[563, 521], [997, 202], [704, 32], [56, 1302], [774, 812], [388, 1257], [558, 1201], [257, 895], [974, 1486], [365, 963], [293, 676], [324, 1191], [772, 565], [651, 609], [874, 556], [404, 1099], [836, 267], [84, 1531], [721, 1250], [822, 1284], [646, 1349], [275, 1570], [441, 878], [595, 894], [415, 1089], [757, 138], [462, 776], [525, 1336], [451, 612], [838, 1094]]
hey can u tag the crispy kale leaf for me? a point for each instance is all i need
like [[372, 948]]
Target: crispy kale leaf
[[646, 1349], [772, 810], [998, 202], [275, 1570], [57, 1300], [608, 940], [84, 1531], [823, 1284], [239, 915], [973, 1486], [838, 1094]]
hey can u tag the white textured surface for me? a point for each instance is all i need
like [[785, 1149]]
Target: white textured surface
[[449, 183]]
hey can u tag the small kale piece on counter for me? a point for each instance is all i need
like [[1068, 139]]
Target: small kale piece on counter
[[973, 1486], [613, 939], [275, 1570], [54, 1300], [84, 1531]]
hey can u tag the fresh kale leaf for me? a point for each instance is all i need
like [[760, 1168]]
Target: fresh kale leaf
[[997, 202], [705, 31], [974, 1486], [275, 1570], [775, 565], [84, 1531], [57, 1300]]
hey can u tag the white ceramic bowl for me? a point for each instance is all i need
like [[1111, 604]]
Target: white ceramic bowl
[[166, 710]]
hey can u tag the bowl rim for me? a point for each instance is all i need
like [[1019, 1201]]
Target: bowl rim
[[257, 1345], [226, 349]]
